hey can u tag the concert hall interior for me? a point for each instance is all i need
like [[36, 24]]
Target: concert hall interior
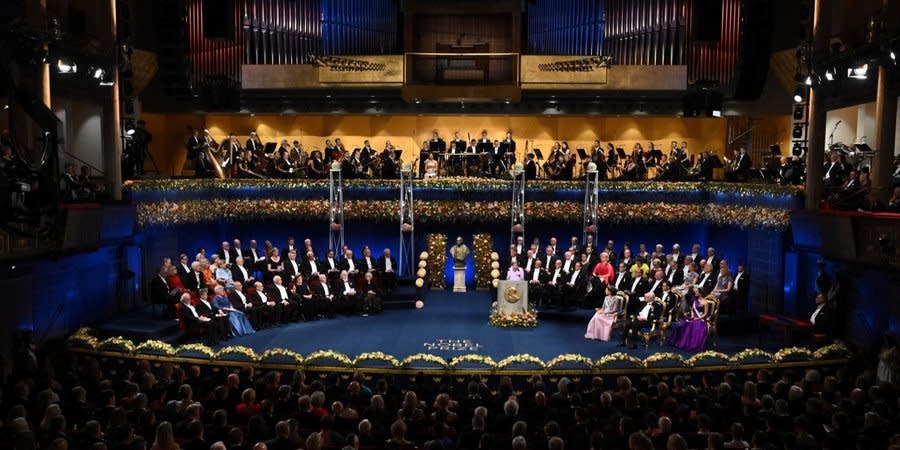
[[521, 224]]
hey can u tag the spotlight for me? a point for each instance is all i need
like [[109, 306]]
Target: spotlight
[[798, 112], [418, 101], [859, 72], [893, 56], [808, 81], [797, 132], [798, 95], [129, 132], [98, 73], [717, 113], [66, 66], [829, 75], [5, 107]]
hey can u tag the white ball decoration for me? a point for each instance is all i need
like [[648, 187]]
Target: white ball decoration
[[423, 264], [423, 255], [406, 167], [495, 282], [421, 273], [494, 256], [592, 167], [520, 166], [420, 304], [495, 265], [420, 282], [335, 166], [495, 273]]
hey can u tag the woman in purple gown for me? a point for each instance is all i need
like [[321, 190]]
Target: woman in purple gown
[[691, 332]]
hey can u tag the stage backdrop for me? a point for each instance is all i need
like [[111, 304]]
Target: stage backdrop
[[407, 132]]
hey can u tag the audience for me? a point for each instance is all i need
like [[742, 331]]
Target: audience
[[63, 400]]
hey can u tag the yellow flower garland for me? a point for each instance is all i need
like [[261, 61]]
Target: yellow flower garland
[[483, 243]]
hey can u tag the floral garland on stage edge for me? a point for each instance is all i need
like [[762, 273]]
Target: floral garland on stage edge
[[83, 340], [437, 249], [444, 211], [465, 184], [527, 319], [482, 242]]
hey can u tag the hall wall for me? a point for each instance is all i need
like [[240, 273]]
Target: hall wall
[[408, 132]]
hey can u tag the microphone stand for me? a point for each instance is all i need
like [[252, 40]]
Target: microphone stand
[[831, 136]]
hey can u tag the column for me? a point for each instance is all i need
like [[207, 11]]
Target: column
[[885, 121], [815, 137]]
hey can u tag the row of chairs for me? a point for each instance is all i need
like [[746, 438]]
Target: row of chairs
[[659, 327]]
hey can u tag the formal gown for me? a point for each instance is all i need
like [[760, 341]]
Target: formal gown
[[690, 335], [600, 325], [240, 325]]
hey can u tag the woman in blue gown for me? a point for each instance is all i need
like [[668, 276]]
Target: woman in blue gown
[[240, 326], [691, 332]]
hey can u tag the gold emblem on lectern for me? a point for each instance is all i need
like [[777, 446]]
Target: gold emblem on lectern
[[512, 294]]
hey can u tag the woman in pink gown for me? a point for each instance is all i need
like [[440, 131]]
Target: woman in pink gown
[[600, 325]]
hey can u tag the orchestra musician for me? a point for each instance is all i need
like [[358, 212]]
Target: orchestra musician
[[431, 166], [739, 166], [315, 165], [530, 167], [457, 147], [508, 149]]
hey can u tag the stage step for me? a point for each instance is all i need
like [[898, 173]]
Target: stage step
[[402, 297], [140, 326]]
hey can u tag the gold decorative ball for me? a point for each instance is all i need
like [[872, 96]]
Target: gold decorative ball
[[335, 166], [424, 255], [592, 167], [422, 264], [494, 256], [420, 282], [421, 273], [495, 273], [495, 282], [495, 265]]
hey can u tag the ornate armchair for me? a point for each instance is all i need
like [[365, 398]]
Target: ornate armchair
[[657, 328], [712, 320], [622, 301]]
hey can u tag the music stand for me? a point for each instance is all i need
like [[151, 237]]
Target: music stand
[[581, 153], [864, 148], [621, 152], [397, 154], [775, 150], [537, 152], [269, 148], [484, 147], [716, 162], [507, 147]]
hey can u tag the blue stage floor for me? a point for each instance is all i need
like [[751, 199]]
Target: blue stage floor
[[456, 317]]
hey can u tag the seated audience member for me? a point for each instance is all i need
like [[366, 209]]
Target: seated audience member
[[194, 321], [303, 296], [371, 298], [515, 273], [387, 268], [347, 296], [238, 323], [649, 312], [269, 311], [288, 306], [326, 298], [600, 326], [241, 302]]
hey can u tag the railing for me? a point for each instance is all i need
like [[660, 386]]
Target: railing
[[83, 162], [463, 69]]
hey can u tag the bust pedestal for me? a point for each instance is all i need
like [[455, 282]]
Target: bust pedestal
[[459, 279]]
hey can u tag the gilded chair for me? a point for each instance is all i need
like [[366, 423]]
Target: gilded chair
[[657, 328], [621, 302], [712, 319]]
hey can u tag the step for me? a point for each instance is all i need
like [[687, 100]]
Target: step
[[139, 328]]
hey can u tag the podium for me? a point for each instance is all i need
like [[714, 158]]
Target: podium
[[512, 297]]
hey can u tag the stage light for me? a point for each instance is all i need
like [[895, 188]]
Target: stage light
[[893, 56], [5, 107], [797, 132], [66, 66], [798, 112], [716, 113], [98, 73], [808, 81], [829, 75], [798, 95], [859, 72], [129, 132]]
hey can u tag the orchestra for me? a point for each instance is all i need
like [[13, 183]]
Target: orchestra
[[482, 157]]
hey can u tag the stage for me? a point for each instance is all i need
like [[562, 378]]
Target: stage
[[448, 327]]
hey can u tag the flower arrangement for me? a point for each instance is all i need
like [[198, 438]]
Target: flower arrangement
[[663, 357], [521, 359], [527, 319], [329, 354], [793, 353], [276, 353], [155, 347], [437, 247], [568, 359], [705, 356], [424, 357], [472, 358], [482, 242], [376, 356], [195, 348], [462, 183], [619, 357], [82, 338], [117, 343], [751, 353], [837, 349], [237, 350], [166, 213]]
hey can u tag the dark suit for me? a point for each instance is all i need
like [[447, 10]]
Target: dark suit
[[636, 290], [268, 315], [347, 303], [183, 273], [238, 275], [325, 306], [657, 288], [388, 279], [234, 254], [288, 312], [252, 312], [741, 290], [553, 292], [622, 281], [574, 293], [631, 329], [193, 282], [218, 324], [548, 261], [331, 268], [536, 291], [370, 265], [306, 266], [823, 324], [675, 276], [289, 272], [706, 286]]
